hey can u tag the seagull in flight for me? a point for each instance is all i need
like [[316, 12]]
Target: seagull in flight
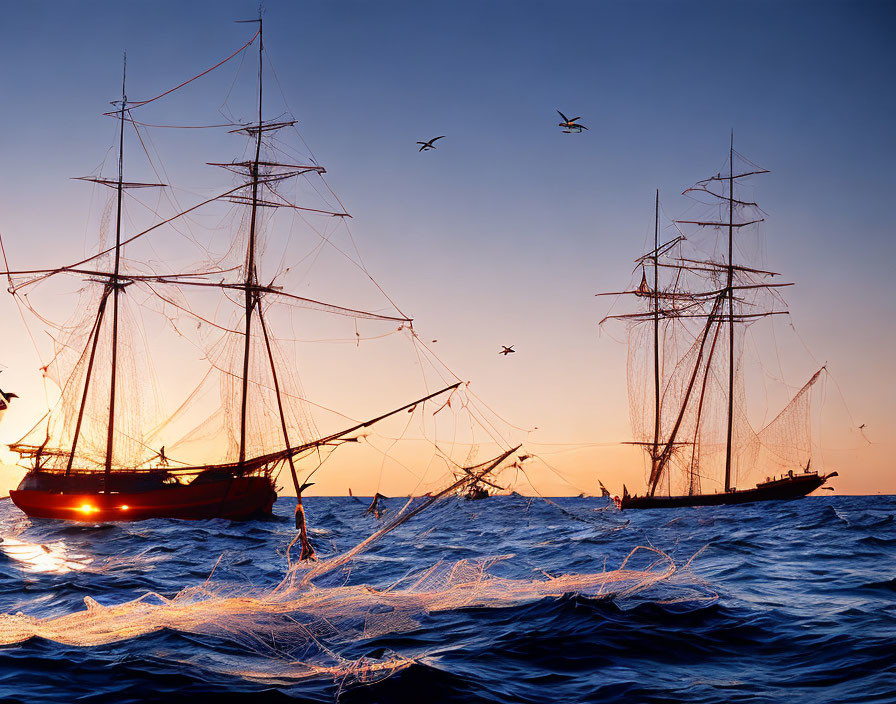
[[426, 146], [570, 126], [507, 350], [5, 398]]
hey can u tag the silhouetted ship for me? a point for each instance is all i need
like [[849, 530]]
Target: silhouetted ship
[[688, 409], [91, 458], [478, 486]]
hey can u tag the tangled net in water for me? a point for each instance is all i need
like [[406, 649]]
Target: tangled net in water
[[297, 626]]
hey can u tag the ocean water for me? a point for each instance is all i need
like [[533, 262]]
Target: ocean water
[[502, 600]]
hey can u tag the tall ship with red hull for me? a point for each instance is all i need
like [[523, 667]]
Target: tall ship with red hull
[[99, 453], [697, 295]]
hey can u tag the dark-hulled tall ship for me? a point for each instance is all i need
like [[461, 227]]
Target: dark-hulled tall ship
[[686, 384]]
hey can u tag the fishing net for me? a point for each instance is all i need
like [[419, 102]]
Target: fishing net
[[297, 629]]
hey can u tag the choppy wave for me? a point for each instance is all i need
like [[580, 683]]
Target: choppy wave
[[502, 600]]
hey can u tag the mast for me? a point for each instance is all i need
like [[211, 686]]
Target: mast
[[669, 445], [730, 312], [114, 282], [307, 549], [251, 278], [692, 305], [656, 329], [95, 334]]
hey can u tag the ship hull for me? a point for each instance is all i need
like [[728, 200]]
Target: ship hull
[[236, 498], [785, 489]]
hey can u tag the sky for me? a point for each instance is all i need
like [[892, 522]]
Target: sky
[[504, 233]]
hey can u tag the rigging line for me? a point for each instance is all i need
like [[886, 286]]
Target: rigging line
[[64, 388], [282, 266], [288, 204], [327, 239], [173, 278], [190, 312], [311, 304], [306, 175], [33, 428], [93, 197], [341, 435], [63, 269], [185, 127], [360, 264], [126, 260], [313, 254], [285, 393], [22, 316], [578, 448], [331, 448], [286, 103], [364, 268], [61, 329], [574, 445], [496, 435], [500, 437], [830, 376], [499, 417], [433, 355], [420, 362], [169, 193], [141, 103], [762, 170], [385, 453], [433, 460], [555, 471], [236, 75], [338, 340]]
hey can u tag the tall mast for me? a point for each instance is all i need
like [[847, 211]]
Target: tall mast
[[114, 282], [95, 335], [730, 312], [656, 328], [251, 278]]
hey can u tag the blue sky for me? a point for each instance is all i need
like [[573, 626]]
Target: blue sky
[[505, 232]]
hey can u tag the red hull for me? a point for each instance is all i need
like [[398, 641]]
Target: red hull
[[238, 499]]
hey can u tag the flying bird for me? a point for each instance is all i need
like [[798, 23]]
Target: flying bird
[[426, 146], [570, 126], [507, 350], [5, 397]]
